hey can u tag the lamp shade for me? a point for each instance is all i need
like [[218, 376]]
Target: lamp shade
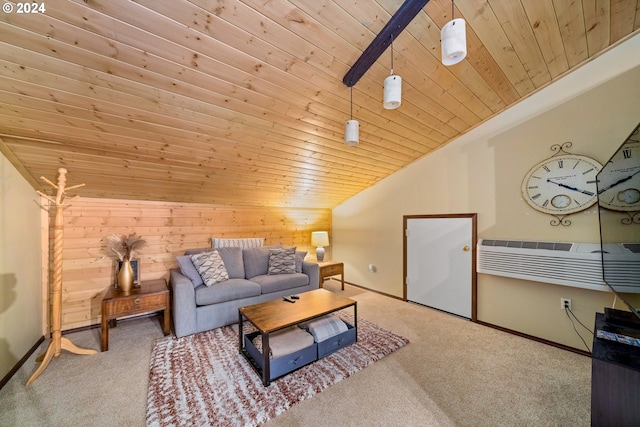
[[392, 92], [319, 238], [453, 38], [352, 133]]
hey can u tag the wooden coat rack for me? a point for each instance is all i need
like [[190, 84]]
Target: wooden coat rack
[[58, 342]]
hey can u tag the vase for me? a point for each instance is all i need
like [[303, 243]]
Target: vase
[[125, 277]]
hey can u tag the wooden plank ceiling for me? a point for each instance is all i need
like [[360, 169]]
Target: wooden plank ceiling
[[242, 102]]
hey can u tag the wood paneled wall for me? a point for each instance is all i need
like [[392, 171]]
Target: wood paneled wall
[[169, 229]]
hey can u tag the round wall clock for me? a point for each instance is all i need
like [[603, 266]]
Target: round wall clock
[[619, 186], [561, 185]]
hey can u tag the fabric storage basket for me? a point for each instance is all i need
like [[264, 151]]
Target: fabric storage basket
[[280, 365], [337, 342]]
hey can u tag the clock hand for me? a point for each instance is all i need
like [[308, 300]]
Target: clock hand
[[619, 182], [589, 193]]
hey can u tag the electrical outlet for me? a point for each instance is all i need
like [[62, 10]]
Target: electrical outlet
[[565, 303]]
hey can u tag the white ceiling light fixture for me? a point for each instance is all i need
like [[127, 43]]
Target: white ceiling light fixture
[[352, 128], [392, 87], [453, 38]]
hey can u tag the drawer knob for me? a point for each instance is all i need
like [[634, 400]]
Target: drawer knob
[[136, 301]]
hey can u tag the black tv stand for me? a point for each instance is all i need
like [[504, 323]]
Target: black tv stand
[[615, 373]]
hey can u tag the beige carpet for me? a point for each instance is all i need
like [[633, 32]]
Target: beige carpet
[[454, 373]]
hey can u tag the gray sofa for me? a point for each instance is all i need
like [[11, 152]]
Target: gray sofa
[[198, 308]]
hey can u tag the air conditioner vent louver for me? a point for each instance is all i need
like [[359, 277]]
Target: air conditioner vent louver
[[552, 246], [560, 263]]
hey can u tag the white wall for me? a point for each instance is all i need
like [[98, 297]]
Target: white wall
[[21, 302], [594, 107]]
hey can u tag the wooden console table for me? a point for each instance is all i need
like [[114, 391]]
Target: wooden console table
[[331, 268], [150, 296]]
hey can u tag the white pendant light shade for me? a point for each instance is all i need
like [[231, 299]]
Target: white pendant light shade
[[392, 92], [352, 133], [454, 42]]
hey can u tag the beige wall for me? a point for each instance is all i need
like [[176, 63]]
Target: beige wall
[[595, 108], [20, 267]]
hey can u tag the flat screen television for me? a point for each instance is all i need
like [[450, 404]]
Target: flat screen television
[[618, 186]]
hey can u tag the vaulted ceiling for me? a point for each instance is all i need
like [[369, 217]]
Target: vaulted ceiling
[[242, 102]]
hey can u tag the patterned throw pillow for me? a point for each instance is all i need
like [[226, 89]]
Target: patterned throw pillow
[[211, 267], [282, 261]]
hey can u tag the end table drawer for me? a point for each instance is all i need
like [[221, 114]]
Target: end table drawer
[[136, 304], [332, 270]]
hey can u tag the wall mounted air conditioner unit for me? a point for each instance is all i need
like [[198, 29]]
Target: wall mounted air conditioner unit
[[560, 263]]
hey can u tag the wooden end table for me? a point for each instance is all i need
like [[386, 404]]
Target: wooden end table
[[150, 296], [331, 268]]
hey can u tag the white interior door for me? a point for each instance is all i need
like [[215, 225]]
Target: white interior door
[[440, 263]]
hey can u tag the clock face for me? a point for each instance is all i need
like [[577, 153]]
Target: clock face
[[619, 182], [562, 185]]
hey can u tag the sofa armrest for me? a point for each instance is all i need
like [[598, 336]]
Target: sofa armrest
[[183, 301], [312, 270]]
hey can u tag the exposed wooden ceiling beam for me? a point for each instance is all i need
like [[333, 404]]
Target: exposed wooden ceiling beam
[[394, 27]]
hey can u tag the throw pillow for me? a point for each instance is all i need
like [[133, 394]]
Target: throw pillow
[[300, 256], [282, 261], [250, 242], [189, 270], [210, 267]]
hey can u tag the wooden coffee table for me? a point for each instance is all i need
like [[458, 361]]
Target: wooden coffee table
[[271, 316]]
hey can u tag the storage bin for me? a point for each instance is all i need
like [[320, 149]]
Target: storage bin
[[337, 342], [280, 365]]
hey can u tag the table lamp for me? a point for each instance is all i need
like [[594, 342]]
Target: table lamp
[[320, 239]]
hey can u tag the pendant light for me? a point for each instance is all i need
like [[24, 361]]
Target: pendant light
[[352, 128], [453, 38], [392, 87]]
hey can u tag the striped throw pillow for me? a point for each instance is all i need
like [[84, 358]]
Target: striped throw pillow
[[245, 243]]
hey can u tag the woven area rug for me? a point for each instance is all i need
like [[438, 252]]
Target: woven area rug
[[202, 380]]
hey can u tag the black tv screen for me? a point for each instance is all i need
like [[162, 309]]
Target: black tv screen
[[618, 186]]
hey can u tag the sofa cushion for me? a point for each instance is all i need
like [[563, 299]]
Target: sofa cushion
[[256, 260], [251, 242], [211, 267], [229, 290], [282, 261], [280, 282], [232, 258], [189, 270]]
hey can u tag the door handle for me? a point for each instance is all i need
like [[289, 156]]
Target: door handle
[[466, 248]]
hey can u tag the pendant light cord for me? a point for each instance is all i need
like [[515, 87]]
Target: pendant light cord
[[391, 73], [452, 3], [351, 102]]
